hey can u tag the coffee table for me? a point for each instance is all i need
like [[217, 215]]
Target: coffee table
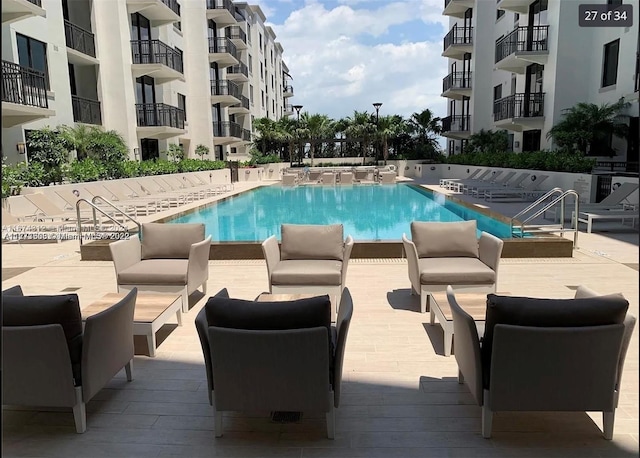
[[151, 312], [475, 304]]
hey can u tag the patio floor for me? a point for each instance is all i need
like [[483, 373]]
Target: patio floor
[[400, 394]]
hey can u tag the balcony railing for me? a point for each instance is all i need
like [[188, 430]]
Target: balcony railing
[[238, 69], [227, 129], [173, 5], [456, 80], [522, 39], [156, 52], [288, 88], [234, 32], [222, 45], [244, 102], [520, 105], [446, 3], [159, 114], [221, 5], [36, 2], [458, 36], [224, 87], [86, 110], [246, 135], [457, 123], [24, 86], [79, 39]]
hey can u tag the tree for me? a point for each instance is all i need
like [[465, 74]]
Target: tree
[[487, 141], [267, 133], [79, 137], [109, 148], [50, 148], [201, 151], [426, 127], [588, 128], [362, 127], [317, 128]]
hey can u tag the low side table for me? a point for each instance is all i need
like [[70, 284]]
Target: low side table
[[151, 312]]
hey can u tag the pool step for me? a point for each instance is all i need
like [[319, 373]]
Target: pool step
[[540, 228]]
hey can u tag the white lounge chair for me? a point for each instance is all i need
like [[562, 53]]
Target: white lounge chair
[[606, 215], [289, 179], [444, 182], [328, 178], [501, 182], [528, 192], [613, 201], [346, 177]]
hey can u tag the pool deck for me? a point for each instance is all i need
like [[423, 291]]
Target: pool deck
[[400, 393]]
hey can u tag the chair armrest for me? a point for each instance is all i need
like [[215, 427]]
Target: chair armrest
[[198, 267], [412, 261], [348, 247], [467, 347], [202, 327], [271, 251], [345, 312], [490, 250], [125, 253], [107, 344]]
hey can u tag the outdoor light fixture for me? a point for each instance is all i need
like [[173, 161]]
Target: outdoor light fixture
[[136, 153], [21, 147], [377, 106], [297, 108]]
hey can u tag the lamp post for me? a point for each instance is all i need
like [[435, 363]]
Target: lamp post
[[297, 108], [377, 106]]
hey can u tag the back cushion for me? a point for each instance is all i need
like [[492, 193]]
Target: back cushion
[[169, 241], [440, 240], [312, 242], [527, 311]]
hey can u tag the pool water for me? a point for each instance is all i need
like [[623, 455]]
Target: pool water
[[368, 212]]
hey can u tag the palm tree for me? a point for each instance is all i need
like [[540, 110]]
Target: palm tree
[[587, 126], [389, 127], [286, 127], [79, 137], [267, 130], [426, 127], [317, 127], [361, 127], [488, 140]]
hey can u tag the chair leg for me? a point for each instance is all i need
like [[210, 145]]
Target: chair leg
[[204, 287], [331, 421], [460, 377], [217, 415], [79, 412], [607, 424], [128, 369], [185, 301], [487, 420], [424, 302]]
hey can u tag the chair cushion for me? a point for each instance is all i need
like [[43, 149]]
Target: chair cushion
[[169, 241], [527, 311], [155, 272], [439, 240], [307, 272], [301, 241], [13, 291], [61, 309], [455, 271]]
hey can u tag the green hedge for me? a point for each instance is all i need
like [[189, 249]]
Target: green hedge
[[554, 161]]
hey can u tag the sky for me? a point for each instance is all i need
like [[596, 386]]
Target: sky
[[344, 55]]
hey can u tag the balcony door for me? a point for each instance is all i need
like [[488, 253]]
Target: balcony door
[[537, 17], [533, 98], [146, 101], [141, 35]]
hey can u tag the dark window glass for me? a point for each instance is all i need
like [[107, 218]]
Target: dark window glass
[[72, 80], [610, 67], [497, 92], [182, 104], [33, 54], [145, 90], [614, 3], [149, 149]]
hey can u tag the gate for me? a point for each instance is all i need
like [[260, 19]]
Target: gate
[[233, 167], [603, 187]]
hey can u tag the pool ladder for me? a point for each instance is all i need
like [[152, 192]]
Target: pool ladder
[[97, 226], [537, 208]]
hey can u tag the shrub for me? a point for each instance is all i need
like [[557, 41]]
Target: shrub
[[202, 150], [84, 170], [49, 148], [556, 160], [110, 149]]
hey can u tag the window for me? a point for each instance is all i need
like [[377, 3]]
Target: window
[[260, 40], [610, 65], [273, 106], [262, 94], [250, 64], [273, 82], [251, 93], [271, 57], [33, 54], [177, 25], [499, 12], [261, 71], [182, 104], [497, 92], [614, 3], [249, 33]]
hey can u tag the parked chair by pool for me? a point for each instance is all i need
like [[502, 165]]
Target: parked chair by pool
[[530, 191], [48, 210], [499, 182], [444, 182], [346, 177], [311, 259], [387, 177], [441, 254], [289, 179], [328, 178]]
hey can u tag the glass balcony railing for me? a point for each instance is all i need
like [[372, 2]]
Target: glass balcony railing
[[23, 85]]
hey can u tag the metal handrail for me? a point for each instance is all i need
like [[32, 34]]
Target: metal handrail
[[536, 203], [100, 210]]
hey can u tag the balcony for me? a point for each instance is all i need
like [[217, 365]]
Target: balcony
[[156, 59], [159, 120], [227, 132], [519, 112], [242, 108], [288, 110], [456, 8], [522, 47], [225, 93], [458, 126], [238, 73], [246, 135], [517, 6], [237, 36], [456, 85], [159, 12], [86, 111], [24, 95], [223, 51], [81, 46], [288, 91], [16, 10], [221, 11], [458, 42]]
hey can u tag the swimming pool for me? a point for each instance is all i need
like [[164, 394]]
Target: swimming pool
[[368, 212]]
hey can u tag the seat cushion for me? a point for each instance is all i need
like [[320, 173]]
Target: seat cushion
[[155, 272], [455, 271], [301, 241], [63, 309], [438, 240], [169, 241], [307, 272], [13, 291], [527, 311]]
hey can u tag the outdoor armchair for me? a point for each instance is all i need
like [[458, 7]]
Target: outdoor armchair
[[311, 259], [544, 354], [441, 254], [170, 258], [274, 356], [47, 358]]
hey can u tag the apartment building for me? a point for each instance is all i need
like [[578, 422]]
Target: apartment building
[[160, 72], [517, 64]]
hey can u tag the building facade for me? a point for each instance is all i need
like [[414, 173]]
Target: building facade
[[518, 64], [159, 72]]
